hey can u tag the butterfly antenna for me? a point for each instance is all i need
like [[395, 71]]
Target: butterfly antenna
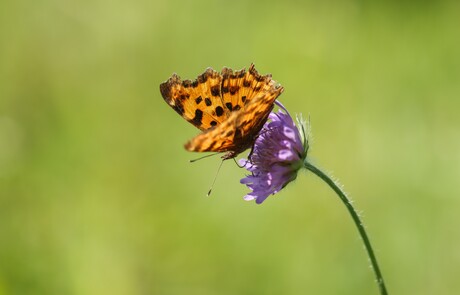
[[201, 158], [215, 177]]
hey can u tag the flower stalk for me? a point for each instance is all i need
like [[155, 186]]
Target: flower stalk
[[362, 231], [279, 152]]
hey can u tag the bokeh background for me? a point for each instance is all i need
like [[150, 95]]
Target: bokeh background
[[96, 192]]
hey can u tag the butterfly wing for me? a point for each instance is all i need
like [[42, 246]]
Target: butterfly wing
[[230, 108], [240, 87], [239, 131], [199, 102], [218, 139]]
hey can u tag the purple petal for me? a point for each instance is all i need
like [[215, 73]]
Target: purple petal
[[277, 155]]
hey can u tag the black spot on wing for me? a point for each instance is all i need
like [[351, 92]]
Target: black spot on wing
[[198, 117], [259, 78], [219, 111], [234, 89], [211, 146], [229, 105], [198, 99], [178, 107], [215, 90], [203, 77], [207, 101], [213, 123]]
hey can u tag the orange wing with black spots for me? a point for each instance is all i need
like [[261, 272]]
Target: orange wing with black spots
[[199, 102], [236, 106]]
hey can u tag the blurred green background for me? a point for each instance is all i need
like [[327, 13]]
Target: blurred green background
[[96, 192]]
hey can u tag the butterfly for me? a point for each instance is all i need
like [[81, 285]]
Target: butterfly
[[230, 108]]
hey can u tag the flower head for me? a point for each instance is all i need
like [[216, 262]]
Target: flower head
[[277, 155]]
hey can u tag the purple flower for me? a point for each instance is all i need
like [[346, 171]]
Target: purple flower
[[276, 157]]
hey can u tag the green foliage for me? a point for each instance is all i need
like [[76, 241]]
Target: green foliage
[[96, 192]]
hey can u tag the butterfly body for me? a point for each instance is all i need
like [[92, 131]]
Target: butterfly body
[[230, 108]]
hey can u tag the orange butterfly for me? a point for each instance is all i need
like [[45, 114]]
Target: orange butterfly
[[229, 107]]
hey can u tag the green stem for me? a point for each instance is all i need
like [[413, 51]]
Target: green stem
[[356, 219]]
